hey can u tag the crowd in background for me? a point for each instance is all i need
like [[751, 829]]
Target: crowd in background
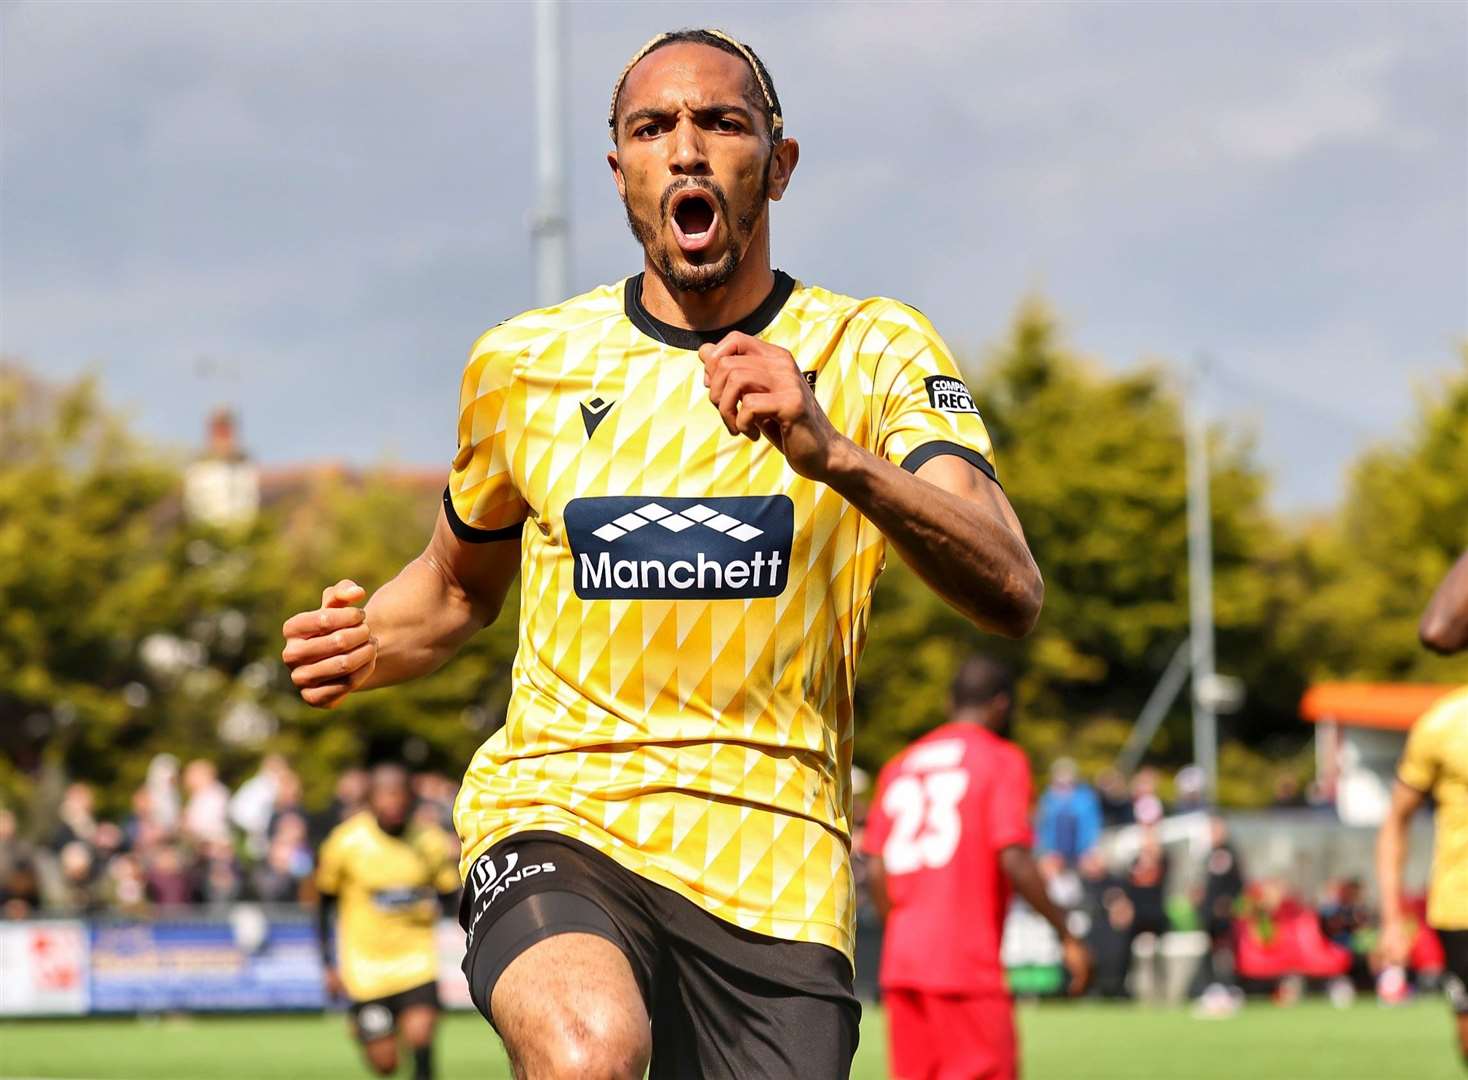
[[1261, 933], [187, 840], [191, 840]]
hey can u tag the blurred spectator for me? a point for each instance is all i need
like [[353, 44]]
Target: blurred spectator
[[1147, 806], [1288, 794], [350, 797], [436, 794], [76, 820], [162, 787], [1190, 787], [1223, 881], [124, 888], [1223, 885], [1345, 921], [206, 814], [287, 802], [1108, 915], [1318, 797], [107, 841], [1115, 798], [1281, 943], [168, 883], [1068, 820], [1062, 884], [1146, 886], [20, 892], [278, 879], [10, 846], [221, 880], [1343, 915], [289, 841], [75, 889], [143, 829], [253, 806]]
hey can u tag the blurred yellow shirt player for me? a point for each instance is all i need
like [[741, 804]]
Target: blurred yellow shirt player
[[388, 879], [387, 896], [1435, 764]]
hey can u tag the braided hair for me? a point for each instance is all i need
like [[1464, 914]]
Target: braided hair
[[725, 43]]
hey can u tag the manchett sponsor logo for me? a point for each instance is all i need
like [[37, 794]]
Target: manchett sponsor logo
[[636, 548]]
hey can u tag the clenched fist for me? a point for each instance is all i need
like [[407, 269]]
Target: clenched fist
[[758, 390], [330, 651]]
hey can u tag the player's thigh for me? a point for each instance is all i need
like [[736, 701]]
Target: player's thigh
[[910, 1045], [973, 1037], [374, 1026], [741, 1005], [416, 1022], [1455, 983], [381, 1054], [569, 1006]]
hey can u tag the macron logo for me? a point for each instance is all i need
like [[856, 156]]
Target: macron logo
[[635, 548]]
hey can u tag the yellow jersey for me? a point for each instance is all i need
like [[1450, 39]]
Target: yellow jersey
[[1435, 762], [387, 889], [691, 610]]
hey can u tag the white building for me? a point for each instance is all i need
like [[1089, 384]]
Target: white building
[[1360, 731]]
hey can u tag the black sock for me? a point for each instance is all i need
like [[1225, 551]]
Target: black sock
[[423, 1062]]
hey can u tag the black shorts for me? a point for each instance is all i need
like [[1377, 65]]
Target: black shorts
[[724, 1002], [378, 1017], [1455, 978]]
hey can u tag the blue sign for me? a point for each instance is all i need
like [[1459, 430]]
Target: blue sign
[[202, 965]]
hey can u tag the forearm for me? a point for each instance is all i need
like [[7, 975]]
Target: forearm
[[965, 551], [877, 887], [1444, 626], [1391, 858], [325, 911], [420, 619], [1019, 866]]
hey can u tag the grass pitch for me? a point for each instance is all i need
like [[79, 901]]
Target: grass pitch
[[1060, 1041]]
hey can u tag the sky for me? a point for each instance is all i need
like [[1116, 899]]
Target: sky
[[309, 211]]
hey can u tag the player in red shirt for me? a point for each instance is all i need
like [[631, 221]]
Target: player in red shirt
[[948, 839]]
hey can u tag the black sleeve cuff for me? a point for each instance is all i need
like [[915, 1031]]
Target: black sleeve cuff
[[928, 451], [469, 534], [325, 914]]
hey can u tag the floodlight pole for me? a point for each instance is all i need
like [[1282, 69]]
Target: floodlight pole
[[1200, 579], [549, 229]]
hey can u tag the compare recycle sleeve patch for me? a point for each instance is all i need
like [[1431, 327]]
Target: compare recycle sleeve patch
[[949, 394]]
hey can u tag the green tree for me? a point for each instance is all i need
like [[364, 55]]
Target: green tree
[[1094, 465], [367, 533], [81, 577], [1363, 578], [126, 630]]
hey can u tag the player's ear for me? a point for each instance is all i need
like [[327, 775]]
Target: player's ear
[[783, 160], [621, 180]]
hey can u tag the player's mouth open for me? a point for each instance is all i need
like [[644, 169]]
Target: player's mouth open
[[695, 219]]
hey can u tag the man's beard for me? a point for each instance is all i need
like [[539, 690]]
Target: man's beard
[[684, 276]]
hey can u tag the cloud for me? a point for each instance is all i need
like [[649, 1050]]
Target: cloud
[[333, 202]]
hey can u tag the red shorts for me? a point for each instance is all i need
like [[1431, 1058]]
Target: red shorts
[[950, 1036]]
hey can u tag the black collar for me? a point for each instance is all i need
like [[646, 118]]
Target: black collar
[[681, 338]]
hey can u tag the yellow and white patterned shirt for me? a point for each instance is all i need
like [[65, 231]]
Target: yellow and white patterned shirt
[[1435, 762], [691, 610], [388, 887]]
